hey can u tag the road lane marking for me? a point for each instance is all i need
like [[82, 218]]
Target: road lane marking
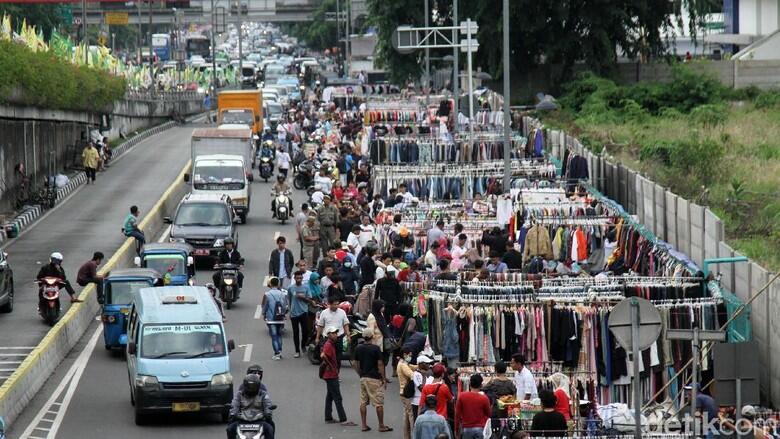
[[16, 348], [68, 385], [164, 234], [258, 312], [247, 352]]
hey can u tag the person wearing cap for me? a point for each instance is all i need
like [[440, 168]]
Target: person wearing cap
[[370, 367], [749, 414], [705, 404], [421, 377], [330, 374], [439, 389], [430, 424], [329, 216], [311, 240]]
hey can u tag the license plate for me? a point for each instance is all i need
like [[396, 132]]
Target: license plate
[[124, 311], [186, 406], [201, 252]]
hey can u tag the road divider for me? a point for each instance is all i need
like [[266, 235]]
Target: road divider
[[20, 388]]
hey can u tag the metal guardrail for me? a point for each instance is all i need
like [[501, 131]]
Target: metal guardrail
[[168, 96]]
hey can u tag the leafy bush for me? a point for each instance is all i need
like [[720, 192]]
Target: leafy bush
[[693, 156], [767, 99], [767, 152], [40, 79], [709, 115]]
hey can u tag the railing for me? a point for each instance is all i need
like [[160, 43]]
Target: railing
[[169, 96]]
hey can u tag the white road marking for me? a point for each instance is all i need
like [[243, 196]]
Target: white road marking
[[14, 348], [247, 353], [68, 385], [258, 312], [164, 235]]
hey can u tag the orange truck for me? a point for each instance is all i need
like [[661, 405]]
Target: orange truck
[[241, 107]]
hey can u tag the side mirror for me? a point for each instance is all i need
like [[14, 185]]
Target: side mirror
[[186, 178], [131, 348], [231, 345], [190, 260], [167, 220], [137, 261]]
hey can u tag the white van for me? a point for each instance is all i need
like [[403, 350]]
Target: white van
[[223, 174]]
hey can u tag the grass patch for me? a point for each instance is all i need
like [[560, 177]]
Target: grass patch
[[712, 145]]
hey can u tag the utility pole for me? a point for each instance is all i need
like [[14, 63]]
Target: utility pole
[[213, 52], [507, 115], [347, 41], [151, 49], [85, 39], [427, 57], [240, 41], [338, 30], [455, 67], [140, 31], [471, 82]]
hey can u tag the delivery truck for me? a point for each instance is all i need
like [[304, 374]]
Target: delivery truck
[[241, 107], [234, 141]]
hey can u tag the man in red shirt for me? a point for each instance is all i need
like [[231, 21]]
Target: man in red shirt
[[439, 389], [330, 374], [472, 411]]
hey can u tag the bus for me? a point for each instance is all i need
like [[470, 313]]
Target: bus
[[161, 44], [198, 45]]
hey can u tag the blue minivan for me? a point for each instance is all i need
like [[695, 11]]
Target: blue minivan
[[119, 288], [177, 353]]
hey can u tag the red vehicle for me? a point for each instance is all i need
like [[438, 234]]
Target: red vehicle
[[50, 291]]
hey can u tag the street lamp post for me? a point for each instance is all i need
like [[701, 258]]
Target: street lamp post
[[507, 115], [85, 38], [455, 69], [151, 50], [240, 41], [213, 51]]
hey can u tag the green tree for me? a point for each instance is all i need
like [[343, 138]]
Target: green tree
[[320, 33], [43, 16], [564, 32]]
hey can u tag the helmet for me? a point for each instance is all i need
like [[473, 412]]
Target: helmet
[[269, 143], [251, 385], [56, 256], [280, 177], [317, 187], [229, 240], [346, 306], [255, 369]]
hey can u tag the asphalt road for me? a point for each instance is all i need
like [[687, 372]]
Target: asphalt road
[[89, 396], [88, 221]]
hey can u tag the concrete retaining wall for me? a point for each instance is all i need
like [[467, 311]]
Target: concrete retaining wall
[[17, 391]]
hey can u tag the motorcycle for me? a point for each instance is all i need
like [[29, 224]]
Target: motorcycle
[[228, 287], [356, 326], [282, 206], [50, 311], [252, 428], [266, 168], [304, 174]]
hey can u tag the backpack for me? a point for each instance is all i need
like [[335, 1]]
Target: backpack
[[280, 308]]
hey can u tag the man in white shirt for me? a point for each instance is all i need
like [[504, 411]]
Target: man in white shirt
[[283, 162], [317, 196], [524, 379], [332, 316], [353, 240], [366, 231], [421, 377], [324, 181]]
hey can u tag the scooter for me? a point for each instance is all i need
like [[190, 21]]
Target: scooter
[[356, 326], [282, 205], [50, 311], [266, 168], [252, 428], [228, 288]]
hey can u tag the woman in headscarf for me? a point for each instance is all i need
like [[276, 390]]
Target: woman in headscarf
[[315, 290], [563, 401]]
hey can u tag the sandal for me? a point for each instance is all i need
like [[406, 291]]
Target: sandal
[[367, 428], [385, 429], [348, 424]]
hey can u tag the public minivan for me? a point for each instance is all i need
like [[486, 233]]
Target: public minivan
[[177, 353]]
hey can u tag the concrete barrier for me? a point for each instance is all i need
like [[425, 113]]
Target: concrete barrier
[[19, 389]]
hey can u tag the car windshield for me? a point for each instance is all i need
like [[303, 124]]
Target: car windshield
[[166, 264], [274, 109], [239, 117], [202, 214], [121, 292], [182, 341], [218, 174]]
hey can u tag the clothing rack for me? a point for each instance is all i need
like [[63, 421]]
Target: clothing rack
[[598, 220]]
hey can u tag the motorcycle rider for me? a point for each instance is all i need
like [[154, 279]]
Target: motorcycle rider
[[267, 135], [267, 151], [229, 256], [280, 187], [54, 269], [247, 403]]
